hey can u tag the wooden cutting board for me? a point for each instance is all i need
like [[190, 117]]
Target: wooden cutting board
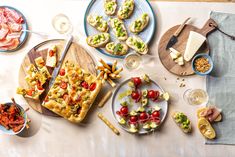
[[164, 54], [76, 54]]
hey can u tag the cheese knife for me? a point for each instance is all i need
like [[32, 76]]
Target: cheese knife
[[63, 54], [174, 39]]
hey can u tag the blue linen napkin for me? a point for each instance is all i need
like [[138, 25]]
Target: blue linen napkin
[[221, 82]]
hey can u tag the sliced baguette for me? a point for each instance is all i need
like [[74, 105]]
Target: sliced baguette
[[139, 24], [113, 48], [119, 29], [126, 9], [188, 130], [137, 44], [98, 23], [98, 40], [110, 7]]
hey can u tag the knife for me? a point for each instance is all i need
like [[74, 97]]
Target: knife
[[174, 39], [63, 54]]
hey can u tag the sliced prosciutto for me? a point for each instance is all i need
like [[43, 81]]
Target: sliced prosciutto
[[10, 28], [13, 16], [3, 31]]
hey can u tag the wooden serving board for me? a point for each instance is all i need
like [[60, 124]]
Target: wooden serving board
[[76, 54], [180, 46]]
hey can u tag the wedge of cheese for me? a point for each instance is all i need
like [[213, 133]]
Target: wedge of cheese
[[195, 41]]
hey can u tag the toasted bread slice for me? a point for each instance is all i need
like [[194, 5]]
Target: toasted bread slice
[[205, 128], [186, 125], [139, 24], [119, 29], [98, 40], [110, 7], [126, 9], [98, 23], [137, 44], [117, 48]]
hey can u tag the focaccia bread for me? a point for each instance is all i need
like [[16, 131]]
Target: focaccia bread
[[72, 93]]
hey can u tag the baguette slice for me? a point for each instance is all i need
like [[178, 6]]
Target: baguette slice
[[140, 23], [119, 29], [137, 44], [110, 7], [117, 48], [126, 9], [98, 40], [185, 130], [98, 23], [205, 128]]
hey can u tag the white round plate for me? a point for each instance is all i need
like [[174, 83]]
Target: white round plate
[[123, 87]]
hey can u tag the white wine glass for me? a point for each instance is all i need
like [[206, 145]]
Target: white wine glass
[[196, 96], [134, 61], [62, 24]]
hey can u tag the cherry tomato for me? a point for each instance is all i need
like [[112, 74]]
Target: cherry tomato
[[157, 94], [92, 86], [151, 94], [85, 85], [156, 114], [62, 72], [124, 110], [143, 116], [46, 99], [135, 95], [63, 85], [65, 96], [137, 81], [51, 53], [39, 86], [133, 119], [30, 92]]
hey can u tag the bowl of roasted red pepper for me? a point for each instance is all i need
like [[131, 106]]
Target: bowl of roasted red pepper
[[13, 118]]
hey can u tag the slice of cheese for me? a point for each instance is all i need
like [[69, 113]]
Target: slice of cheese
[[195, 41], [180, 61], [174, 51], [173, 56]]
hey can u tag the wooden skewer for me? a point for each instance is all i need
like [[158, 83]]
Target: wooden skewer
[[105, 99], [110, 125]]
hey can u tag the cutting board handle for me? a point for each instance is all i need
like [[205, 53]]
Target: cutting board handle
[[208, 28]]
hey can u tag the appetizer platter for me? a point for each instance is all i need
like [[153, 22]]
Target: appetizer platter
[[191, 41], [117, 28], [37, 67], [12, 22], [140, 105]]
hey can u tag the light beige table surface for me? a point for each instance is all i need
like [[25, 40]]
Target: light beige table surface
[[56, 137]]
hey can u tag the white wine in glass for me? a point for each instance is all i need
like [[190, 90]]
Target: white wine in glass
[[196, 97], [132, 61], [62, 24]]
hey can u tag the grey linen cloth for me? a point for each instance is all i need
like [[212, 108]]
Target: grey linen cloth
[[221, 82]]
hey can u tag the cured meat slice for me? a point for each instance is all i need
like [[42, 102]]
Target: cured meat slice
[[13, 35], [11, 44], [211, 113], [15, 27], [3, 31], [12, 14]]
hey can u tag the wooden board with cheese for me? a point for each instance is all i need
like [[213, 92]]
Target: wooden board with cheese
[[177, 62]]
